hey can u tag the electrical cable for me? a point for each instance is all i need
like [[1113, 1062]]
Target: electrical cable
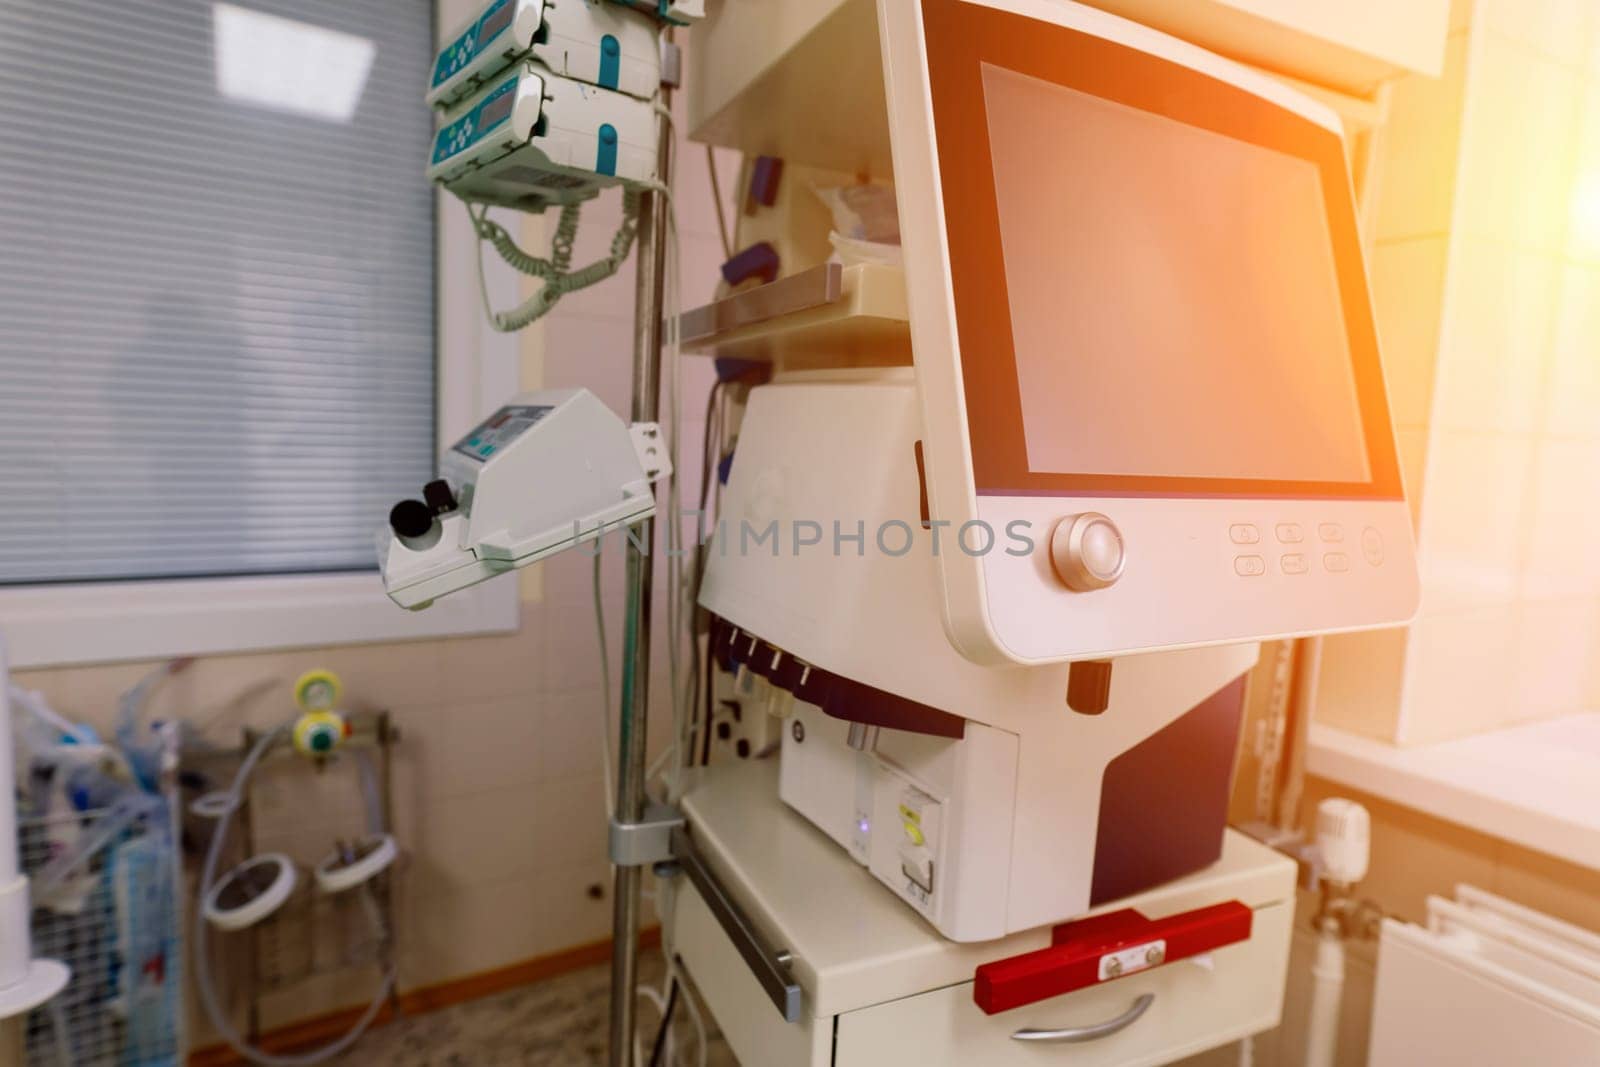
[[677, 586], [202, 953], [605, 684], [695, 1017], [716, 199], [667, 895], [660, 1044], [708, 471], [558, 279]]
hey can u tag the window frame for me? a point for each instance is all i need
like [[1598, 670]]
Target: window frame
[[73, 623]]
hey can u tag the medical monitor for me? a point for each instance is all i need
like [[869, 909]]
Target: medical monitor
[[1141, 327]]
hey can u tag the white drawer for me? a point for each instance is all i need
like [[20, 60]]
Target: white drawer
[[1194, 1009], [753, 1027]]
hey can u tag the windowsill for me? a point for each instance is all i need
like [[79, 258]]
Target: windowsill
[[1537, 785], [49, 626]]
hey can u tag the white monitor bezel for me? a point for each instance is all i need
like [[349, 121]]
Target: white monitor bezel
[[1182, 587]]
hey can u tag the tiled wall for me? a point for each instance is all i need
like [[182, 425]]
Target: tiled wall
[[1486, 276], [499, 797]]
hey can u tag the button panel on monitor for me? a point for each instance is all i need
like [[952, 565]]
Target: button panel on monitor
[[1327, 548], [1372, 546], [1244, 533]]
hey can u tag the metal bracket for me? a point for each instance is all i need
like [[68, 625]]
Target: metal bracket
[[647, 841], [651, 450], [671, 64]]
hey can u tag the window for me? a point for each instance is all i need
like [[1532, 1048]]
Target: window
[[218, 314]]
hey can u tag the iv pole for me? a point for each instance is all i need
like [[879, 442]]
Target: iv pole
[[635, 711]]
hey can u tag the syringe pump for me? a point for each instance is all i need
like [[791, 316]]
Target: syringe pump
[[547, 471], [595, 41], [533, 139]]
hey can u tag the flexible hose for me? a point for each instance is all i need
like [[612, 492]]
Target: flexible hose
[[370, 792], [202, 954]]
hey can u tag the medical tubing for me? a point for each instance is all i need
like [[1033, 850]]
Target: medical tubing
[[34, 704], [127, 810], [202, 955], [370, 792]]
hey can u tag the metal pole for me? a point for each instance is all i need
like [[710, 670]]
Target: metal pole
[[635, 713]]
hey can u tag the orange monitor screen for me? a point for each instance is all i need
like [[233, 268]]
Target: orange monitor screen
[[1157, 275]]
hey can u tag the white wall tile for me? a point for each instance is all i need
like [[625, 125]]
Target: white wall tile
[[570, 725], [1558, 657], [572, 645], [1518, 141], [461, 748], [1500, 312], [1562, 533], [594, 352], [1408, 279], [569, 829], [697, 216], [490, 925], [488, 668], [1420, 146], [1471, 535], [476, 838], [1584, 234], [1560, 29], [1572, 406], [1459, 676]]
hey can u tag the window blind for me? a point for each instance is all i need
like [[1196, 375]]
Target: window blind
[[216, 284]]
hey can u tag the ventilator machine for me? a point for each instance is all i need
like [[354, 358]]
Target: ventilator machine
[[1002, 529]]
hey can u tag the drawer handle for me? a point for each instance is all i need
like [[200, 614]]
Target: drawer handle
[[1095, 1032]]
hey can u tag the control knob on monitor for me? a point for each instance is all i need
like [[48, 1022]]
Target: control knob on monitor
[[1086, 551]]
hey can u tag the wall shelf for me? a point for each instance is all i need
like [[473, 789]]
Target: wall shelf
[[1533, 784], [828, 316]]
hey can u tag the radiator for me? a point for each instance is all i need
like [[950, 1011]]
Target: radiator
[[1486, 982]]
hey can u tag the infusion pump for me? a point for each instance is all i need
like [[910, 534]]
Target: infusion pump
[[547, 471], [547, 103]]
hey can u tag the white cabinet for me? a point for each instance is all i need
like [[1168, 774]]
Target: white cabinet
[[880, 987], [1351, 45], [803, 79]]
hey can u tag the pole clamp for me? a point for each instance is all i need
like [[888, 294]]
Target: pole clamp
[[635, 844]]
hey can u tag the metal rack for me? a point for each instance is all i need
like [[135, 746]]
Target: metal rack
[[302, 940], [124, 1003]]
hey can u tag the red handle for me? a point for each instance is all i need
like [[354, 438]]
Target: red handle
[[1103, 948]]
